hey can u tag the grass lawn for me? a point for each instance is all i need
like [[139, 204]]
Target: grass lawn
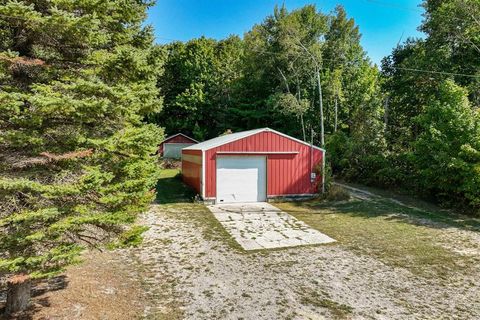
[[397, 235]]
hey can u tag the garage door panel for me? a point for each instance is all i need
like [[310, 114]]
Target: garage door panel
[[241, 179]]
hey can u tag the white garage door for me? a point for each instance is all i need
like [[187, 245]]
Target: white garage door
[[241, 179], [174, 150]]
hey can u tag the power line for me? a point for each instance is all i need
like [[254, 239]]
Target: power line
[[399, 68], [438, 72], [277, 53], [394, 5]]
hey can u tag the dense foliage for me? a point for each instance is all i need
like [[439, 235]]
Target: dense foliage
[[270, 78], [197, 84], [432, 114], [77, 79], [413, 125]]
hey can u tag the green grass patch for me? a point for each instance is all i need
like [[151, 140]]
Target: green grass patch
[[395, 234], [170, 188], [322, 300], [424, 209], [177, 201]]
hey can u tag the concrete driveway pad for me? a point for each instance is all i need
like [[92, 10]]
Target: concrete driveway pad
[[262, 226]]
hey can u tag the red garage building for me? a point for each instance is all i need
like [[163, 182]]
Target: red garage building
[[252, 166], [172, 146]]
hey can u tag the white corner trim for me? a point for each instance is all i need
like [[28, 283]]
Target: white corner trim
[[203, 175], [292, 138]]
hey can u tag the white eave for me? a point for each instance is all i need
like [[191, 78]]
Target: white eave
[[221, 140], [257, 152], [178, 134]]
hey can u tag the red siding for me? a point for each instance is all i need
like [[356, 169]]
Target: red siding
[[175, 139], [192, 169], [287, 174]]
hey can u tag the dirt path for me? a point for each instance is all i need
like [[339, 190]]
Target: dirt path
[[208, 279], [102, 287]]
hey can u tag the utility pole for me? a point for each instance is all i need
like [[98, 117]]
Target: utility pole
[[322, 130], [320, 99]]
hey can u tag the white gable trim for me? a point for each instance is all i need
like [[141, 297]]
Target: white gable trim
[[254, 132], [294, 139], [222, 140], [178, 134]]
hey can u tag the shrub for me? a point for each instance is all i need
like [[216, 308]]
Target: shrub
[[337, 193], [132, 237], [171, 164], [328, 175], [338, 146]]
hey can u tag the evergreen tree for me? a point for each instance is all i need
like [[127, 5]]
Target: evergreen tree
[[77, 79]]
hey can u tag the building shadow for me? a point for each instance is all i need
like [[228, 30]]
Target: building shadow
[[173, 190]]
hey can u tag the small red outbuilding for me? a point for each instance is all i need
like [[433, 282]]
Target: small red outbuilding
[[172, 146], [252, 166]]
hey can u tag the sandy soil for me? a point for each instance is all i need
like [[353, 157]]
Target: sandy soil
[[102, 287]]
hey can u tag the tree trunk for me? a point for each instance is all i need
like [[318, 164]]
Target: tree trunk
[[299, 99], [18, 294], [385, 114], [336, 114], [320, 99], [303, 127]]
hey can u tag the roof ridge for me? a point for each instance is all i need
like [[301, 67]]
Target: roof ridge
[[179, 134], [221, 140]]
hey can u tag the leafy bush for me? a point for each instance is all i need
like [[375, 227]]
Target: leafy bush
[[130, 238], [446, 154], [338, 147], [352, 160]]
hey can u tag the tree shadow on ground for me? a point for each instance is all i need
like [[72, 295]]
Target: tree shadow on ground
[[372, 208], [171, 189], [39, 288]]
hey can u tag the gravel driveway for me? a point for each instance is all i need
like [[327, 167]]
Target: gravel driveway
[[190, 264]]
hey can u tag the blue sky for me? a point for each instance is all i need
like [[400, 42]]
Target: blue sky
[[382, 22]]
